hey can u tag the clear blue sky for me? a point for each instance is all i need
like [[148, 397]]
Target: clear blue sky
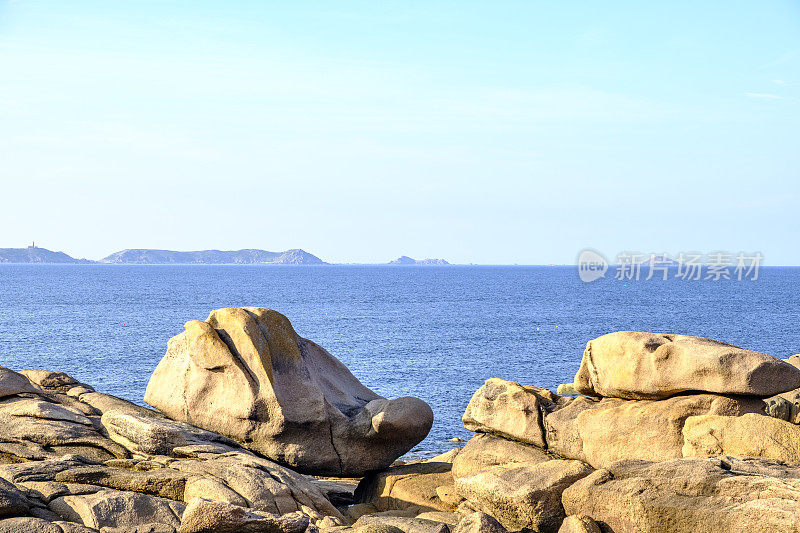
[[487, 132]]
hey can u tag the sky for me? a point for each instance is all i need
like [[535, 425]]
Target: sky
[[482, 132]]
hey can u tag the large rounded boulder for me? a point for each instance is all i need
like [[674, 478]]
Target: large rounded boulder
[[246, 374], [639, 365]]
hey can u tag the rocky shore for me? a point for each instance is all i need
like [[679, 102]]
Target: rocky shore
[[258, 429]]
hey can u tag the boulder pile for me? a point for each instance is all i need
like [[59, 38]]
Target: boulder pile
[[659, 434]]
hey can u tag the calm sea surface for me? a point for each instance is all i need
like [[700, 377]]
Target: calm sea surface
[[434, 333]]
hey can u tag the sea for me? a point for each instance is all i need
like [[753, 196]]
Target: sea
[[431, 332]]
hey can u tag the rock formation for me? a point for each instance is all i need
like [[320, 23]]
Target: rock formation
[[246, 374], [685, 495], [73, 460], [636, 365]]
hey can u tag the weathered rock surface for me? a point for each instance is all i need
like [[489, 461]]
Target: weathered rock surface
[[51, 379], [367, 523], [12, 501], [602, 432], [510, 410], [479, 522], [208, 516], [60, 471], [566, 389], [12, 383], [785, 406], [30, 524], [526, 496], [246, 374], [484, 451], [689, 496], [113, 508], [150, 434], [39, 424], [639, 365], [748, 435], [579, 524], [413, 485]]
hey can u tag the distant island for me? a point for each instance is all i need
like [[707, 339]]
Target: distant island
[[146, 256], [142, 256], [405, 260]]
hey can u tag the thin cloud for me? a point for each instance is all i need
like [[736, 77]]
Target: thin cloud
[[765, 96], [788, 56], [779, 82]]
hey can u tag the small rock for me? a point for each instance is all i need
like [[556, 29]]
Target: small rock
[[143, 528], [51, 379], [446, 457], [12, 383], [521, 497], [479, 522], [449, 495], [72, 527], [778, 407], [508, 409], [566, 389]]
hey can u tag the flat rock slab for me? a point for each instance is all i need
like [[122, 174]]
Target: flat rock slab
[[601, 432], [749, 435], [113, 508], [401, 487], [485, 450], [689, 496], [523, 497], [208, 516], [639, 365], [392, 524]]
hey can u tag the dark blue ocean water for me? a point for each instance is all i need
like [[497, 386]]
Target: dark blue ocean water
[[435, 333]]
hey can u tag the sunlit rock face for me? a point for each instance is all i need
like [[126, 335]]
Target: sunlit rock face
[[246, 374], [640, 365]]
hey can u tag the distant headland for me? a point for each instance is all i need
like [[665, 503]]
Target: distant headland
[[35, 254], [145, 256]]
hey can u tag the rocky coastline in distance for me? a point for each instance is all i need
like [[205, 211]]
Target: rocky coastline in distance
[[257, 429], [147, 256]]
